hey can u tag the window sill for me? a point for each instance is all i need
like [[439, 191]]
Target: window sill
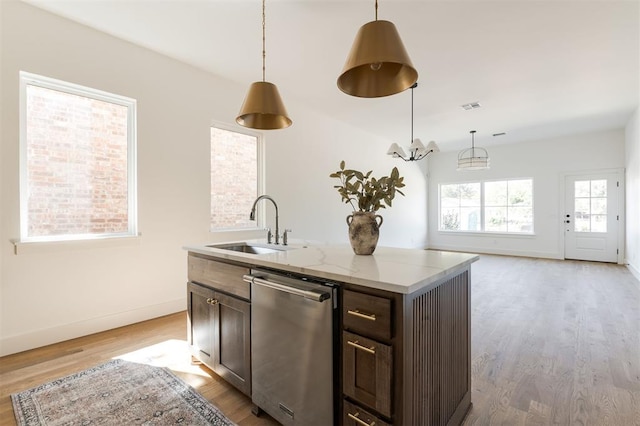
[[488, 234], [28, 247]]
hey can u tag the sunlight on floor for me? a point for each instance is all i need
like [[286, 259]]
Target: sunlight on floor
[[172, 354]]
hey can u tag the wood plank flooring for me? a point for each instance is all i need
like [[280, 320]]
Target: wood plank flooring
[[553, 343], [159, 342]]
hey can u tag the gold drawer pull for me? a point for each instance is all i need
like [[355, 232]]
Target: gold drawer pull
[[357, 313], [362, 422], [211, 301], [371, 350]]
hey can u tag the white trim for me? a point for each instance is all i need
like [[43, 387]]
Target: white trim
[[46, 336], [29, 79], [621, 206], [635, 272], [488, 234], [504, 252], [84, 243], [483, 207]]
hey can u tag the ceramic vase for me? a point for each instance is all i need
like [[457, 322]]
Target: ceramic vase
[[364, 229]]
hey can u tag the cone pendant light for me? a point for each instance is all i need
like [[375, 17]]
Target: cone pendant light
[[263, 108], [378, 64]]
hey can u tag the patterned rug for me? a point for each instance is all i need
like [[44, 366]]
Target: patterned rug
[[116, 393]]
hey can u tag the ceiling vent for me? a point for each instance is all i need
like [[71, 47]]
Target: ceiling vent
[[471, 105]]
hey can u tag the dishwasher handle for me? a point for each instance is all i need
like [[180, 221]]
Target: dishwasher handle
[[318, 296]]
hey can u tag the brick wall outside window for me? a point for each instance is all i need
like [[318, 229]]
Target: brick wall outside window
[[76, 164], [234, 178]]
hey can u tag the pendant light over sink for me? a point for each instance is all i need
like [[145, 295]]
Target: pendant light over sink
[[263, 108], [378, 64]]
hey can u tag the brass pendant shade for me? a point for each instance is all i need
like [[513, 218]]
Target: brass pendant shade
[[378, 64], [263, 108]]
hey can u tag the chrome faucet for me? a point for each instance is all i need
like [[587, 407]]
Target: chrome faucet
[[252, 216]]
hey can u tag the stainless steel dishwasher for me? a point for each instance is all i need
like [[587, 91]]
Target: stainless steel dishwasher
[[292, 348]]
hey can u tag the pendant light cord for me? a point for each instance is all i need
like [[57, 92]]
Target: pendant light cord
[[473, 144], [263, 41], [376, 10], [412, 87]]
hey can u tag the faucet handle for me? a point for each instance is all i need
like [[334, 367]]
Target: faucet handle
[[284, 236], [269, 235]]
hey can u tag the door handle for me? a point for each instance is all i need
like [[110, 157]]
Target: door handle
[[318, 296]]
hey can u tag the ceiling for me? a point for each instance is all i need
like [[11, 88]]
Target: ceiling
[[540, 69]]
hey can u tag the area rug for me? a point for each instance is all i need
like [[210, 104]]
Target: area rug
[[116, 393]]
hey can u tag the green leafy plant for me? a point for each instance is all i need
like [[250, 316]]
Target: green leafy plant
[[370, 193]]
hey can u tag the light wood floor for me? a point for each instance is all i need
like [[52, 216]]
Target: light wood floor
[[159, 342], [553, 342]]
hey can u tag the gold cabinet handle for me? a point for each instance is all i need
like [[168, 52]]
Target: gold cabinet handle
[[357, 419], [211, 301], [357, 313], [371, 350]]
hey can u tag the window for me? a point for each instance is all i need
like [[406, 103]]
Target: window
[[77, 159], [235, 178], [508, 206], [495, 206], [460, 207], [590, 205]]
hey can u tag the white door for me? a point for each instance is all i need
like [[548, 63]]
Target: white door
[[591, 217]]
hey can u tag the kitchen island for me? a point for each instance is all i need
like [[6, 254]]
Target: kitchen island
[[403, 325]]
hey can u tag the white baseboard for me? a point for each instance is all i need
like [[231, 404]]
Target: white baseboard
[[634, 271], [47, 336], [503, 252]]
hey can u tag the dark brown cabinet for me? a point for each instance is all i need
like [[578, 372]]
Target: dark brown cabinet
[[406, 358], [367, 372], [219, 331], [367, 356], [353, 415]]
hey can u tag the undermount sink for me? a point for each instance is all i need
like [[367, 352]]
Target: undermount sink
[[249, 248]]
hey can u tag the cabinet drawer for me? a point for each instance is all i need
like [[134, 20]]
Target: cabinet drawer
[[352, 415], [222, 276], [366, 314], [366, 369]]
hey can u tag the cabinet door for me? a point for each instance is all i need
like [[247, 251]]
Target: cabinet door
[[367, 366], [200, 322], [232, 334]]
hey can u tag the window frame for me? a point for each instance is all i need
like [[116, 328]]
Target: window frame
[[260, 184], [482, 231], [30, 79]]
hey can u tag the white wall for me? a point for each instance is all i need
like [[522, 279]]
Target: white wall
[[53, 292], [545, 161], [632, 155]]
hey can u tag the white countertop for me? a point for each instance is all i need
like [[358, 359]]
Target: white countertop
[[393, 269]]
